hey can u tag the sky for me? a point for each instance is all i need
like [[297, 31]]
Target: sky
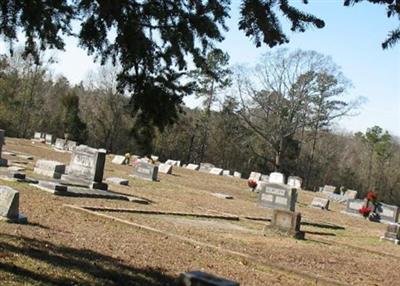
[[352, 36]]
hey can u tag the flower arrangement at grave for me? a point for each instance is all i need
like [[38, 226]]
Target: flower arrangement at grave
[[369, 210], [252, 184], [365, 211]]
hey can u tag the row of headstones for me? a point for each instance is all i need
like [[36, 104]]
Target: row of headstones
[[43, 137], [342, 197], [276, 178], [387, 213], [211, 169]]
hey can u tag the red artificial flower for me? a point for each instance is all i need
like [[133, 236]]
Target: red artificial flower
[[252, 183], [372, 196], [365, 211]]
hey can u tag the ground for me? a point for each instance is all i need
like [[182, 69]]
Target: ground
[[63, 245]]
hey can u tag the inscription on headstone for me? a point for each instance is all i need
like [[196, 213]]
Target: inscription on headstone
[[278, 196], [145, 171]]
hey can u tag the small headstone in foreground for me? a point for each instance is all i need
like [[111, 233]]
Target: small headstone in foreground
[[277, 196], [392, 233], [145, 171], [216, 171], [222, 196], [9, 205], [276, 178], [49, 168], [117, 181], [320, 203], [198, 278], [119, 160], [194, 167], [287, 222], [165, 168]]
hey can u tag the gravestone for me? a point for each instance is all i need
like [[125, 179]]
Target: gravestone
[[71, 145], [237, 174], [49, 139], [119, 160], [295, 182], [194, 167], [287, 222], [216, 171], [388, 213], [320, 203], [260, 186], [117, 181], [3, 162], [264, 178], [170, 162], [278, 196], [154, 158], [276, 178], [198, 278], [38, 136], [353, 206], [226, 173], [351, 194], [255, 176], [49, 168], [60, 144], [222, 196], [206, 167], [9, 205], [165, 168], [329, 189], [392, 233], [86, 168], [145, 171]]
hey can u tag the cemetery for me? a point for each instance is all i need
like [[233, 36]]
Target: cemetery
[[87, 217]]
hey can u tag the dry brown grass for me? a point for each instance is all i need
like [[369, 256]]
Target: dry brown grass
[[63, 246]]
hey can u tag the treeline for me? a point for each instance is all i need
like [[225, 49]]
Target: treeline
[[275, 116]]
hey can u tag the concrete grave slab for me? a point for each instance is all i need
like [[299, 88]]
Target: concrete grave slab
[[222, 196], [193, 167], [320, 203], [216, 171], [117, 181], [49, 168]]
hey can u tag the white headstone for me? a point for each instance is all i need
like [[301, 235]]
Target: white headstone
[[119, 160], [216, 171], [237, 174], [295, 182], [192, 167], [255, 176], [320, 203], [165, 168], [276, 178]]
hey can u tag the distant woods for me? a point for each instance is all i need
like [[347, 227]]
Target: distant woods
[[277, 115]]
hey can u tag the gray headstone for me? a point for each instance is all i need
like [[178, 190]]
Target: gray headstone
[[49, 168], [264, 178], [329, 189], [392, 233], [198, 278], [278, 196], [145, 171], [276, 178], [351, 194], [295, 182], [117, 181], [320, 203], [237, 174], [9, 205], [255, 176], [388, 213], [206, 167], [49, 139], [194, 167], [226, 173], [87, 166], [165, 168], [216, 171], [287, 222], [71, 145], [222, 196], [353, 206], [119, 160], [60, 144]]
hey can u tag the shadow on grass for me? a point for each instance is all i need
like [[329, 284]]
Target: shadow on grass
[[36, 261], [322, 225], [319, 233]]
